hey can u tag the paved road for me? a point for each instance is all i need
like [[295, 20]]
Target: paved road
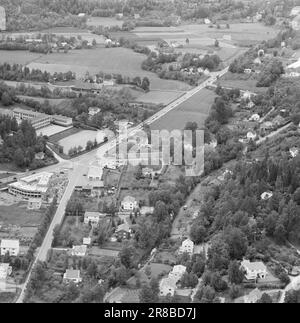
[[81, 163]]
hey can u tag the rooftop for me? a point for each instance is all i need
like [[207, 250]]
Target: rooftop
[[254, 266], [72, 274], [14, 244]]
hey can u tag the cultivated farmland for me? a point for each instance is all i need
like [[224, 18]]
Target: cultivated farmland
[[109, 60], [195, 109]]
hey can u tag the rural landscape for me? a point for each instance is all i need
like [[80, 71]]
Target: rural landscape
[[98, 200]]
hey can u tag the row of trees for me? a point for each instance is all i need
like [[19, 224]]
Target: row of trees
[[18, 72]]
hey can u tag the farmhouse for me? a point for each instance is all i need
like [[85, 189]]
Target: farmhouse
[[72, 276], [254, 270], [12, 247], [187, 246], [123, 231], [93, 217], [129, 203]]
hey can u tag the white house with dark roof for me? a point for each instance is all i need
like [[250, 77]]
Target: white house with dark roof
[[12, 247], [254, 270]]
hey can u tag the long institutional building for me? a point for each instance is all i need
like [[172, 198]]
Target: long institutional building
[[34, 186], [41, 120]]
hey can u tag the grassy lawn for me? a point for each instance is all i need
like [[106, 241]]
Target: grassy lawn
[[194, 109], [242, 82], [17, 214], [60, 136], [111, 177], [18, 57], [159, 97]]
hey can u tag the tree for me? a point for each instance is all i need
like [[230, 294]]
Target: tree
[[265, 299], [198, 233], [234, 291], [148, 295], [145, 84], [235, 274]]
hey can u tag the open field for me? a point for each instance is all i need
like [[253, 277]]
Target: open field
[[51, 130], [17, 214], [18, 57], [78, 139], [159, 97], [104, 21], [195, 109], [107, 60], [240, 81]]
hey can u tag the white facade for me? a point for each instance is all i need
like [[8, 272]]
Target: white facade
[[79, 251], [187, 246], [177, 272], [254, 270], [266, 195], [129, 203], [12, 247], [72, 276], [93, 217]]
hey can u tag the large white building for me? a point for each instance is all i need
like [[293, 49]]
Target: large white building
[[41, 120], [12, 247], [2, 19], [34, 186], [5, 270], [254, 270]]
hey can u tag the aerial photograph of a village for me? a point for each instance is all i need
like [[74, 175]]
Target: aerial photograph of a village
[[149, 152]]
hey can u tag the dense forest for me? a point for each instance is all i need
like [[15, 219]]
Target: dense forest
[[19, 143]]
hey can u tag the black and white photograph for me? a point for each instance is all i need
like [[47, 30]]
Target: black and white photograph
[[149, 154]]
